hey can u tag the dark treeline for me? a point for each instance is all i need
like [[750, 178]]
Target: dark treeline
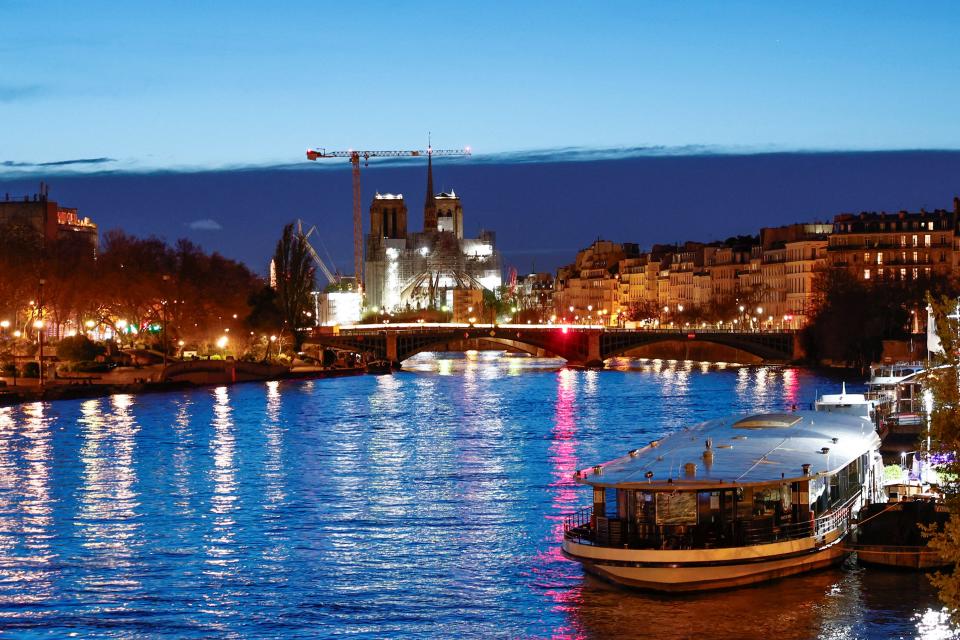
[[852, 317], [130, 286]]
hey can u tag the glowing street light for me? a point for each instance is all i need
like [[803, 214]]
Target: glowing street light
[[90, 324], [38, 324], [222, 342]]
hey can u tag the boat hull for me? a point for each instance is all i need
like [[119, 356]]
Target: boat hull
[[704, 570], [900, 557]]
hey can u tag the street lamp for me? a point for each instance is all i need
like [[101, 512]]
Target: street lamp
[[163, 306], [39, 325]]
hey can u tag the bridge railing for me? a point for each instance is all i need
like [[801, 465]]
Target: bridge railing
[[378, 329]]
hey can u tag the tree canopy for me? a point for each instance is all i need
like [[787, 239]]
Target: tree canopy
[[295, 280]]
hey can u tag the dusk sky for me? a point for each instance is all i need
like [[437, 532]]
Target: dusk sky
[[665, 106]]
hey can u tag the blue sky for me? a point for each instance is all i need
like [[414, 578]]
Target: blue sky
[[199, 85]]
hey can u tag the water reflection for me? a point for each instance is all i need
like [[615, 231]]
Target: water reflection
[[424, 504], [26, 515], [108, 502]]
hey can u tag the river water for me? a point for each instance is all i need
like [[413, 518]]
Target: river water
[[424, 504]]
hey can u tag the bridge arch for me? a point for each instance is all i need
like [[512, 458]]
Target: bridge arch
[[696, 350], [408, 349]]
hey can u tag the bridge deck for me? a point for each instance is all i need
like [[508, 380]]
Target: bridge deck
[[576, 344]]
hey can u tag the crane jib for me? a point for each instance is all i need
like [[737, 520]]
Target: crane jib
[[354, 156]]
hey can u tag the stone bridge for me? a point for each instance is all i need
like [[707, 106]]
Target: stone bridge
[[578, 346]]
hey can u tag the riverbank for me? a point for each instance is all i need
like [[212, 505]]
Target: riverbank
[[29, 389]]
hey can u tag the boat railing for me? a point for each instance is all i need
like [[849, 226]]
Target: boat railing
[[837, 518], [609, 531], [577, 524]]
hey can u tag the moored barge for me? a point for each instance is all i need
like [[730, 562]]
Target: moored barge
[[728, 502]]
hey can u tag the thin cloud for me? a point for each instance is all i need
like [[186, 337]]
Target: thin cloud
[[16, 93], [57, 163], [206, 224]]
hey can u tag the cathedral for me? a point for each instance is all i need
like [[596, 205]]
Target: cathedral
[[423, 269]]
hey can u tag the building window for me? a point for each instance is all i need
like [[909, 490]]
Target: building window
[[903, 274], [903, 241], [879, 257], [914, 257], [866, 274], [926, 240], [915, 274], [926, 272], [880, 274], [915, 240], [866, 257]]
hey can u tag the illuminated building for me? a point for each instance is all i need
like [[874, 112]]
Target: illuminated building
[[588, 290], [902, 246], [421, 270], [50, 221]]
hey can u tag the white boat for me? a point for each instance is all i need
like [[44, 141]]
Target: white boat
[[854, 404], [728, 502], [897, 391]]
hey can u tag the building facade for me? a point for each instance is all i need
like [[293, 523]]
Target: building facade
[[900, 247], [48, 219], [407, 270]]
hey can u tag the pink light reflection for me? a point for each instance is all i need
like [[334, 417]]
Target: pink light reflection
[[560, 577]]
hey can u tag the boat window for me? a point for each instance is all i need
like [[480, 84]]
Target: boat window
[[644, 510], [677, 508], [769, 501]]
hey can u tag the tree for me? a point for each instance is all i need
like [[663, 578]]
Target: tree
[[78, 349], [265, 315], [643, 310], [944, 431], [851, 318], [295, 281]]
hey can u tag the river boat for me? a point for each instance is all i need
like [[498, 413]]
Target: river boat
[[379, 367], [854, 404], [897, 391], [890, 535], [728, 502]]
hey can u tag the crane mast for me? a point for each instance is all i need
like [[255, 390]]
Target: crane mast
[[354, 158]]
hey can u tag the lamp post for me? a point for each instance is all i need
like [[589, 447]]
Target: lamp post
[[163, 309], [39, 325]]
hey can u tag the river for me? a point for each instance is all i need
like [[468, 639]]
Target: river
[[424, 504]]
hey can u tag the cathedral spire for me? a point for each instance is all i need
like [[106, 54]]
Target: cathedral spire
[[429, 205]]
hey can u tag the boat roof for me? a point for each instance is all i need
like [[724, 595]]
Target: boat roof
[[755, 449]]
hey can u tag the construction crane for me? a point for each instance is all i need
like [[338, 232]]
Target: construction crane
[[354, 157], [329, 275]]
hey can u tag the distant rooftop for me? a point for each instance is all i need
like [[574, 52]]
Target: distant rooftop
[[388, 196]]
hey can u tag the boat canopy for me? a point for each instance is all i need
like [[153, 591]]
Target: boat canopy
[[736, 450]]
